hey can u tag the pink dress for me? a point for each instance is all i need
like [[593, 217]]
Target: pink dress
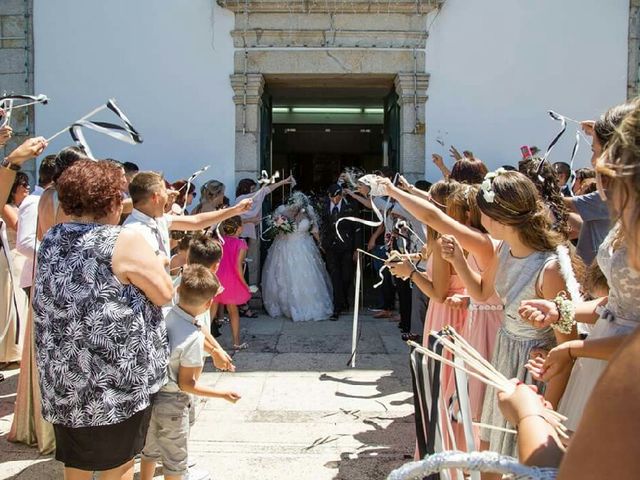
[[438, 314], [235, 292], [480, 331]]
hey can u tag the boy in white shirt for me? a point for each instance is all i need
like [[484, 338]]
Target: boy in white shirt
[[168, 432]]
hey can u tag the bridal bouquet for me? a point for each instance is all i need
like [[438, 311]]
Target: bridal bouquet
[[277, 223]]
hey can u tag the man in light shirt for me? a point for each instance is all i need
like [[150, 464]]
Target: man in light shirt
[[26, 241], [149, 195]]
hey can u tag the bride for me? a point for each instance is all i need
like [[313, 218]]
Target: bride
[[295, 282]]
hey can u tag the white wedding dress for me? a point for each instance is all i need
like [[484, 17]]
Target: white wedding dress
[[295, 282]]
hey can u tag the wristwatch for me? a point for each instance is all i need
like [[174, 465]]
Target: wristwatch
[[6, 163]]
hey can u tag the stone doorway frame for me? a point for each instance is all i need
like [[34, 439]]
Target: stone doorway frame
[[355, 38], [306, 37], [248, 93]]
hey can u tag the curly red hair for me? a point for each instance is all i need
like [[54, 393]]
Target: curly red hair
[[89, 188]]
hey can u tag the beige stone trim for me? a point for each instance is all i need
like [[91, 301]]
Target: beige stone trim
[[328, 61], [325, 38], [332, 6]]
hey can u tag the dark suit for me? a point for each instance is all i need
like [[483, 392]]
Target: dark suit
[[339, 254]]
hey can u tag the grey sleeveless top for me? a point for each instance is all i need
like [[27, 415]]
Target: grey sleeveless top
[[516, 280]]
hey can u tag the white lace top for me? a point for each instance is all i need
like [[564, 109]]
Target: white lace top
[[624, 281]]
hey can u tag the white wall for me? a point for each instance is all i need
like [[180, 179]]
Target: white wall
[[497, 66], [166, 62]]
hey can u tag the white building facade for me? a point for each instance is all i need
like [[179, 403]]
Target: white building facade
[[198, 78]]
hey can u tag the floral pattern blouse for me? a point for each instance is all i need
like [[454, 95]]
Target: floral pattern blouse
[[101, 346]]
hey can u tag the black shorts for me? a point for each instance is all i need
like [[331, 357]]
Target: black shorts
[[104, 447]]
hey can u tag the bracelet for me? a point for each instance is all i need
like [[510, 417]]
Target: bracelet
[[10, 165], [412, 273], [566, 312], [531, 415]]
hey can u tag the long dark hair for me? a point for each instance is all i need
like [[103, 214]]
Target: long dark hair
[[544, 178]]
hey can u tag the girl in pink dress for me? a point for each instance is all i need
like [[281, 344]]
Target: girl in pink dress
[[439, 282], [235, 290], [462, 220]]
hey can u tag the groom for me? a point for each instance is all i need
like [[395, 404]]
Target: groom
[[340, 255]]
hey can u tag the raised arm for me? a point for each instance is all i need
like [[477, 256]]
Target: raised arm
[[204, 220], [30, 148], [275, 186], [479, 286], [135, 263], [471, 240], [439, 162]]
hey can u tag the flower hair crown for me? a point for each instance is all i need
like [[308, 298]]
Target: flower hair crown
[[490, 195], [487, 191]]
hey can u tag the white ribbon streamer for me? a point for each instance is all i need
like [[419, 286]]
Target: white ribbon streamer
[[265, 179], [356, 310], [126, 133], [190, 180], [8, 104]]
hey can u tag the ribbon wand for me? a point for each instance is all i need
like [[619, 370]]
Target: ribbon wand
[[291, 184], [193, 176], [88, 115], [284, 188]]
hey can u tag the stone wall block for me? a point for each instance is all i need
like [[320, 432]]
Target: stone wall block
[[412, 153], [12, 60], [247, 151], [251, 118], [380, 21], [12, 30], [13, 82], [284, 21], [12, 7]]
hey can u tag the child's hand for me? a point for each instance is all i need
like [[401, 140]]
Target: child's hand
[[222, 360], [231, 396]]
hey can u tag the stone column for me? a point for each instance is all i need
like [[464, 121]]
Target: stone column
[[247, 89], [412, 96], [634, 50], [16, 70]]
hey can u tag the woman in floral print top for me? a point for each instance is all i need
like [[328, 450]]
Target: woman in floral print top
[[101, 346]]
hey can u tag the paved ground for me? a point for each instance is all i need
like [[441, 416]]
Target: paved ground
[[304, 414]]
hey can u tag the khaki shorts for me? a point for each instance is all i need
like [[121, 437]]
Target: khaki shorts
[[168, 432]]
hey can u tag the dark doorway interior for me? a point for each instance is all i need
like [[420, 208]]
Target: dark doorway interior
[[316, 154]]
